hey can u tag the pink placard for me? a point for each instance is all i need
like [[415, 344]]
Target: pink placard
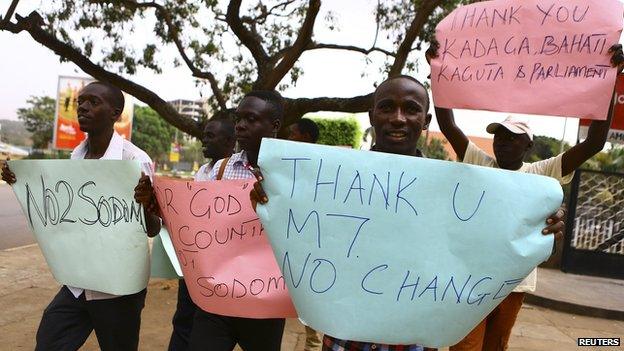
[[528, 56], [227, 261]]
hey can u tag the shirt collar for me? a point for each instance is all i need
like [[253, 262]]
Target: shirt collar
[[114, 151], [418, 152], [239, 158]]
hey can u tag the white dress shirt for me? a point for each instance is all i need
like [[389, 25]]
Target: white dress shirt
[[118, 149]]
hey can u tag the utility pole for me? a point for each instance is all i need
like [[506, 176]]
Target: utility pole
[[565, 124]]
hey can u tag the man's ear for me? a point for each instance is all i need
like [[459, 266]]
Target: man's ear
[[427, 121], [370, 117], [530, 145], [116, 116], [277, 124]]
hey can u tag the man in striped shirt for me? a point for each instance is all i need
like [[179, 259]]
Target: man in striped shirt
[[218, 143], [259, 115]]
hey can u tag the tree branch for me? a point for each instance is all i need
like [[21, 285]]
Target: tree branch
[[295, 108], [9, 14], [426, 9], [174, 35], [292, 54], [33, 25], [251, 41], [266, 13], [314, 46]]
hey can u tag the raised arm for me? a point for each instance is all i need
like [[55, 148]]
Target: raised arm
[[446, 120], [593, 144], [598, 130], [457, 138]]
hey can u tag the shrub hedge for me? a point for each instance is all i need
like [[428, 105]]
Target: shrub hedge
[[339, 131]]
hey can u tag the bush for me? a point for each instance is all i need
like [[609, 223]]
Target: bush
[[434, 149], [48, 155], [340, 131]]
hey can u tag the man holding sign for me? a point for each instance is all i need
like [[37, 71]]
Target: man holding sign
[[399, 116], [513, 139], [228, 265], [218, 143], [258, 115], [75, 312]]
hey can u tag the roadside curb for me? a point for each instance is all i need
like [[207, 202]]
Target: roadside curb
[[19, 248], [570, 307]]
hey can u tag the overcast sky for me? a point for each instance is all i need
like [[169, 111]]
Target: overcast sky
[[28, 68]]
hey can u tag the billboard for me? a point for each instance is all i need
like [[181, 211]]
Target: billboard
[[616, 132], [67, 133]]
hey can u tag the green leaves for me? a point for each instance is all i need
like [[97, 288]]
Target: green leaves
[[39, 119], [127, 35], [434, 148], [151, 133], [340, 132]]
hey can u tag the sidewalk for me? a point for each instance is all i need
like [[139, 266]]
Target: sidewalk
[[26, 287], [579, 294]]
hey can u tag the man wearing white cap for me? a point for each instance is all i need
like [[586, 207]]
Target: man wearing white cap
[[513, 139]]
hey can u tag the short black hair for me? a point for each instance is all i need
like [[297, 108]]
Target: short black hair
[[116, 97], [405, 76], [273, 98], [226, 125], [308, 126]]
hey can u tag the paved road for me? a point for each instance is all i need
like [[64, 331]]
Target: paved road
[[14, 230]]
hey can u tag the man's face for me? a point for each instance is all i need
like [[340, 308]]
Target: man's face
[[254, 120], [216, 144], [510, 148], [399, 116], [295, 134], [95, 112]]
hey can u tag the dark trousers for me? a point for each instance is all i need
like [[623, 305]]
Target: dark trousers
[[68, 321], [212, 332], [182, 320]]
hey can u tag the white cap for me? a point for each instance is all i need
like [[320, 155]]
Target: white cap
[[513, 125]]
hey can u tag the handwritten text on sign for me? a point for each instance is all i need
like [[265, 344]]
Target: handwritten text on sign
[[531, 56], [371, 244], [87, 224], [228, 265]]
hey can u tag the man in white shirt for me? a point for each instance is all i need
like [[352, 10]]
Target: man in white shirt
[[74, 313], [513, 140]]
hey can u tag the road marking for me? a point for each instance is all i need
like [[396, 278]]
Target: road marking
[[20, 247]]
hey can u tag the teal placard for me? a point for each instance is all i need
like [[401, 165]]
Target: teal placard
[[393, 249], [164, 261], [85, 219]]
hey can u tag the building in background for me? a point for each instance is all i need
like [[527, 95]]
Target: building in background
[[195, 109]]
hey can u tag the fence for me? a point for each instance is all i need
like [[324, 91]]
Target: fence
[[595, 225]]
